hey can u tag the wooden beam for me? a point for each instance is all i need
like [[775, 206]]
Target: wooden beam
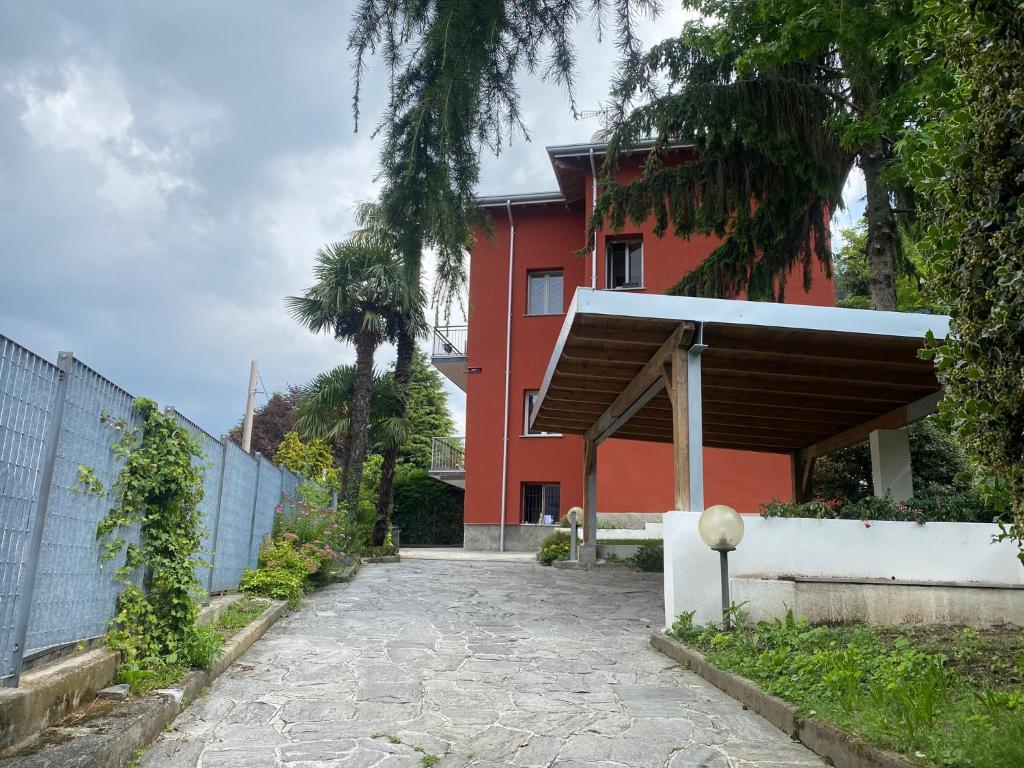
[[596, 372], [850, 373], [643, 380], [799, 388], [759, 399], [632, 338], [679, 394], [894, 419], [603, 355], [803, 475]]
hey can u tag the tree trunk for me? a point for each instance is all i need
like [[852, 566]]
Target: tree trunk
[[385, 492], [359, 421], [883, 238]]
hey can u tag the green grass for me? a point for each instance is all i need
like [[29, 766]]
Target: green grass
[[429, 760], [952, 696], [239, 615]]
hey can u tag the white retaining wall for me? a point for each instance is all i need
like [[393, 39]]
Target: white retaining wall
[[773, 547]]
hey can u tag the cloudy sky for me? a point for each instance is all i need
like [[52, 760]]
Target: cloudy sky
[[169, 169]]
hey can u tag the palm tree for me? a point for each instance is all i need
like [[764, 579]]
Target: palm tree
[[410, 323], [324, 410], [358, 286]]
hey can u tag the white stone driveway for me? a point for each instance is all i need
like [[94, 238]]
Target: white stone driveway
[[472, 663]]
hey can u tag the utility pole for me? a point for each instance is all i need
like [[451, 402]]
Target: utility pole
[[250, 407]]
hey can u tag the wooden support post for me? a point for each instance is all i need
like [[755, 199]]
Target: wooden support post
[[803, 476], [590, 492], [679, 394]]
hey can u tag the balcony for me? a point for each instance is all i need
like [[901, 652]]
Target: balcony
[[449, 353], [448, 460]]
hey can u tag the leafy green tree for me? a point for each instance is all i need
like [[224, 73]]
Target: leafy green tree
[[937, 461], [357, 296], [454, 66], [312, 460], [851, 273], [325, 407], [968, 161], [780, 99], [378, 229], [271, 422], [426, 412]]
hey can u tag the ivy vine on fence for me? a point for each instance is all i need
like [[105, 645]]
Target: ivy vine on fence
[[160, 487]]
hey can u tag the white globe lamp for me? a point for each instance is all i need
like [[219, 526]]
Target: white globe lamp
[[721, 528]]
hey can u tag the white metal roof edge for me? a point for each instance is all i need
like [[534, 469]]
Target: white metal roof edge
[[760, 313], [590, 301], [523, 198]]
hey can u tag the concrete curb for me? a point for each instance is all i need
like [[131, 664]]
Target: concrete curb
[[51, 691], [111, 739], [575, 565], [346, 575], [839, 748], [385, 559]]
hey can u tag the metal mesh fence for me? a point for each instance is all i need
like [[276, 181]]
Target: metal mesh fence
[[231, 551], [74, 595], [212, 460], [268, 497], [66, 426], [28, 387]]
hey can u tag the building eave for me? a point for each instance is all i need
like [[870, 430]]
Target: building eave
[[528, 198]]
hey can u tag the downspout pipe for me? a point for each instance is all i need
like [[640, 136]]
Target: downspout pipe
[[508, 376], [593, 206]]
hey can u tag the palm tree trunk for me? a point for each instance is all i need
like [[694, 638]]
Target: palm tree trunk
[[883, 237], [359, 422], [385, 492]]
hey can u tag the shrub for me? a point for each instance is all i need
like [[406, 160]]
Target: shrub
[[427, 510], [650, 556], [554, 547], [276, 583], [942, 504], [201, 647]]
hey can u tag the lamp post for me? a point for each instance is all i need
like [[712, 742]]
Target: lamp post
[[721, 528]]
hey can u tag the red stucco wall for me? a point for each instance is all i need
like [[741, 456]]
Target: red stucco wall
[[632, 476]]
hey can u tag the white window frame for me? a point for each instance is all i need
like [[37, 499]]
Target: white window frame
[[545, 274], [629, 283], [527, 411]]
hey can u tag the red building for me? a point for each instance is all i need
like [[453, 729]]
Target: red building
[[522, 279]]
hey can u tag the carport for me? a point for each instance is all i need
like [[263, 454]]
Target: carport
[[753, 376]]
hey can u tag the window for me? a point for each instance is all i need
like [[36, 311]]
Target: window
[[544, 294], [529, 404], [541, 502], [625, 268]]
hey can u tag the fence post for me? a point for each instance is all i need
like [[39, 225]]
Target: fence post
[[255, 499], [24, 608], [216, 515]]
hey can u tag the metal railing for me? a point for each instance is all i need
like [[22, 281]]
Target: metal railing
[[450, 341], [448, 454]]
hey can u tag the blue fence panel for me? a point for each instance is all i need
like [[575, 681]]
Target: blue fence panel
[[231, 550], [28, 386], [74, 597], [268, 497], [288, 483], [211, 461]]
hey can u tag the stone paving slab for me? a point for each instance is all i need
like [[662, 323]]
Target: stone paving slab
[[479, 663]]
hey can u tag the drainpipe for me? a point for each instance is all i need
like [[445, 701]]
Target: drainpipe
[[593, 205], [508, 374]]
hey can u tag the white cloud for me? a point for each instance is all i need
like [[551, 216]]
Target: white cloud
[[85, 109]]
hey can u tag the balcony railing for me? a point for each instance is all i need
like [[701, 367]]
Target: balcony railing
[[448, 454], [450, 341]]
